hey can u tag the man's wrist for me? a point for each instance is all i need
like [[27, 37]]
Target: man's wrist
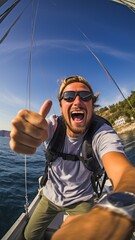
[[120, 203]]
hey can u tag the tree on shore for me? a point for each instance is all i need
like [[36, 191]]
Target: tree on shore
[[120, 109]]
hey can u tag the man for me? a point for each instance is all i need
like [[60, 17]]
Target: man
[[69, 185]]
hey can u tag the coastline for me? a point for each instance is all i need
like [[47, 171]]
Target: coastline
[[127, 127]]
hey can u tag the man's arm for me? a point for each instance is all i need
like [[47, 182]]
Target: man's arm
[[120, 171], [100, 223]]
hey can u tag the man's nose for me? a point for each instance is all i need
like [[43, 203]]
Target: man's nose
[[77, 100]]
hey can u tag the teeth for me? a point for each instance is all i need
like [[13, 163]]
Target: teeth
[[77, 115], [76, 112]]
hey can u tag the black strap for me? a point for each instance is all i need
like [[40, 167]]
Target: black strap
[[57, 142], [90, 160], [71, 157]]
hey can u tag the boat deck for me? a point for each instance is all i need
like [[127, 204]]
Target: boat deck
[[16, 231]]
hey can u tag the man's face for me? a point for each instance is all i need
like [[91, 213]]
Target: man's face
[[77, 113]]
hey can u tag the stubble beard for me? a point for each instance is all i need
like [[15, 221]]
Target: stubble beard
[[76, 130]]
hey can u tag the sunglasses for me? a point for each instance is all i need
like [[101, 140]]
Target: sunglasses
[[70, 96]]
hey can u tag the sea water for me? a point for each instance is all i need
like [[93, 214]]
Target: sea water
[[12, 178], [12, 182]]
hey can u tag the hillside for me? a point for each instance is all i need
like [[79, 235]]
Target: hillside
[[4, 133], [125, 108]]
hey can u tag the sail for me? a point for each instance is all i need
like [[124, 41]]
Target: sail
[[2, 2], [128, 3], [8, 10]]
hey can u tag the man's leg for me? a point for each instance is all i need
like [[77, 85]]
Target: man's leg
[[40, 219], [80, 208]]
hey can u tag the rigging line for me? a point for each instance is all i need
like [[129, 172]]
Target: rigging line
[[29, 76], [105, 69], [127, 4], [26, 205], [2, 2], [13, 24], [8, 10], [28, 100]]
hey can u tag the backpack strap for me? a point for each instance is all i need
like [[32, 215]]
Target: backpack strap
[[90, 160], [54, 148], [57, 142], [99, 175]]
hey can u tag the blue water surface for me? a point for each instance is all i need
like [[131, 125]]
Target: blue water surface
[[12, 182]]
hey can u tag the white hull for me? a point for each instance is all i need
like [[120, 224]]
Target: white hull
[[16, 231]]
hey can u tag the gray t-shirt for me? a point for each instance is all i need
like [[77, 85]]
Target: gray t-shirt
[[70, 181]]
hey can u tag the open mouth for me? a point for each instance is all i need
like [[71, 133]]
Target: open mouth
[[77, 115]]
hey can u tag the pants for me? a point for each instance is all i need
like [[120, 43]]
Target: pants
[[45, 213]]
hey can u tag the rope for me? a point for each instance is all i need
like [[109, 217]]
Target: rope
[[3, 2], [8, 10], [105, 69], [29, 75], [128, 4], [28, 100], [26, 205], [13, 24]]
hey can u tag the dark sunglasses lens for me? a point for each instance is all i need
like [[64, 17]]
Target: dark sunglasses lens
[[69, 96], [85, 96]]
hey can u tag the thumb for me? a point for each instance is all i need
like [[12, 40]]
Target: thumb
[[45, 108]]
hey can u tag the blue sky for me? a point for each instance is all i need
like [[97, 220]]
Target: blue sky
[[63, 31]]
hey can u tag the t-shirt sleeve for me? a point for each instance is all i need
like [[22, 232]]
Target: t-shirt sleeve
[[106, 140], [52, 124]]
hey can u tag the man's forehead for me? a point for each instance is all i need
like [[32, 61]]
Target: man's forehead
[[75, 86]]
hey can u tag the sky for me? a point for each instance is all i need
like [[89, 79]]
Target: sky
[[52, 40]]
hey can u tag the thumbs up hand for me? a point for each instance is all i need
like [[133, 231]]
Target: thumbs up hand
[[29, 129]]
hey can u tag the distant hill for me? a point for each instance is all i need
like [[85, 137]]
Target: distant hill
[[4, 133], [120, 109]]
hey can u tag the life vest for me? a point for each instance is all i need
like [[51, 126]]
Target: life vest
[[55, 150]]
